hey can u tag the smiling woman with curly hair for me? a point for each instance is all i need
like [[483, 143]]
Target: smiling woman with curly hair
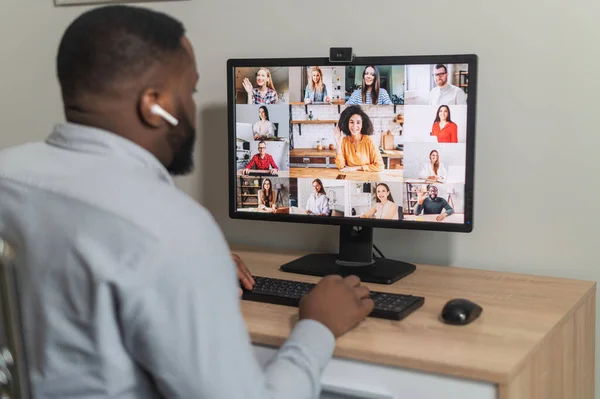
[[356, 151]]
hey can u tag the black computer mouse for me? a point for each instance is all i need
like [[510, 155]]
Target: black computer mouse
[[460, 311]]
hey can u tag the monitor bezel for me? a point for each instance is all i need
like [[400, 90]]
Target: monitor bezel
[[465, 227]]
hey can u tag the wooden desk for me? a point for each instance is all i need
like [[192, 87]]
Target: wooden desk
[[454, 218], [332, 102], [329, 173], [311, 157], [426, 181], [534, 340]]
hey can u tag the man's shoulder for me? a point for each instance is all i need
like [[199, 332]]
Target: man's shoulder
[[12, 156], [456, 89], [98, 186]]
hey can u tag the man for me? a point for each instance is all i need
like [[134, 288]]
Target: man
[[445, 93], [432, 204], [128, 287], [262, 160]]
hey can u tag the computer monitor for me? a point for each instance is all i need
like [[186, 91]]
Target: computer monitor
[[382, 142]]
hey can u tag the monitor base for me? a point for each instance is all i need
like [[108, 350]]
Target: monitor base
[[382, 271]]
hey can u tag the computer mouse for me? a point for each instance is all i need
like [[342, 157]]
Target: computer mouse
[[460, 311]]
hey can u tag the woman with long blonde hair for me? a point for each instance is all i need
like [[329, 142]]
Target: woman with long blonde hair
[[316, 91], [264, 92]]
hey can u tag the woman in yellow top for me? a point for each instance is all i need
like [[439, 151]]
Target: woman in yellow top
[[356, 151]]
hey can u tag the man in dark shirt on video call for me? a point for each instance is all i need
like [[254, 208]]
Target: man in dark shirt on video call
[[430, 204]]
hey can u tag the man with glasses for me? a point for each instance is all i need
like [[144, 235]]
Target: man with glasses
[[430, 204], [444, 93], [262, 160]]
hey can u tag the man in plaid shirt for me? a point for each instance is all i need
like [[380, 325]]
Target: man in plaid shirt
[[262, 160]]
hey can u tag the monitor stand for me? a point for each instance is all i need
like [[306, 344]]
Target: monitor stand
[[355, 257]]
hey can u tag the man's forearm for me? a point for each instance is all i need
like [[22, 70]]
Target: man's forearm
[[418, 209]]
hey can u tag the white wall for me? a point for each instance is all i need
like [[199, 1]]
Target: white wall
[[536, 119]]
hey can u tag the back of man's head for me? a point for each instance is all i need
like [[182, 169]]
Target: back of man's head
[[108, 46]]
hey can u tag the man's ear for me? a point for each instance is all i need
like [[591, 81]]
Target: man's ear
[[149, 98]]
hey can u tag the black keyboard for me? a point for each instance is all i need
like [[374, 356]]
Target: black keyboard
[[287, 292], [262, 173]]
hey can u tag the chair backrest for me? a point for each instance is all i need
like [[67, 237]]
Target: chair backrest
[[14, 379]]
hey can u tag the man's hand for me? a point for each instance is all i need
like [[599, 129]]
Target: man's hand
[[338, 303], [422, 194], [441, 216], [243, 273]]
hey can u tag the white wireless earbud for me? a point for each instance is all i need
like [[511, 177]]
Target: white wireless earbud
[[158, 110]]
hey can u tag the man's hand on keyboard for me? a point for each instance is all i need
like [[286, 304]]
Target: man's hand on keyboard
[[243, 273], [338, 303]]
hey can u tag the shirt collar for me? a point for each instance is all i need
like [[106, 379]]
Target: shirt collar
[[81, 138]]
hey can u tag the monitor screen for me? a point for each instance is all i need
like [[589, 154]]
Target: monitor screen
[[378, 142]]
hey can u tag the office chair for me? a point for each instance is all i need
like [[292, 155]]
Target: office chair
[[14, 379]]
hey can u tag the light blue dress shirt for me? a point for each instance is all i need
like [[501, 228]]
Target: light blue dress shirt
[[127, 285]]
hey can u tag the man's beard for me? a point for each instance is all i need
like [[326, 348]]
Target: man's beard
[[183, 159]]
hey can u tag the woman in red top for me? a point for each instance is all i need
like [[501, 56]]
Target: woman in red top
[[443, 127]]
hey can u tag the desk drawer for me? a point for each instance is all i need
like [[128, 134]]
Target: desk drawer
[[357, 380], [310, 160]]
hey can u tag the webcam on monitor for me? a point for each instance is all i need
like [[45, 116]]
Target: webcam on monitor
[[341, 54]]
